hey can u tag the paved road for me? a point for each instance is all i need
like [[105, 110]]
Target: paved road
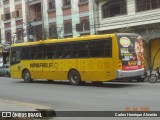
[[61, 96]]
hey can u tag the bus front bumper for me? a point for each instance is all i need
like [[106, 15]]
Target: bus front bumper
[[130, 73]]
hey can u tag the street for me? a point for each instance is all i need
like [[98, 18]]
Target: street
[[61, 96]]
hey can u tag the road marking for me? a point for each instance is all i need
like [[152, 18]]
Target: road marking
[[24, 104]]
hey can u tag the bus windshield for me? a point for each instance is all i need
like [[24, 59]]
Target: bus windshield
[[131, 51]]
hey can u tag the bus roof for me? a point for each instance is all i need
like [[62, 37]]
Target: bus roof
[[88, 37]]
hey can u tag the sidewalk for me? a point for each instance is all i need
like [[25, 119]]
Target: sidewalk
[[8, 107], [4, 106]]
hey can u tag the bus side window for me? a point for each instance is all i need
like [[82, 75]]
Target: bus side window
[[108, 48], [32, 52], [76, 54], [64, 50], [100, 48], [49, 50], [80, 49], [54, 55], [83, 49], [26, 53], [39, 52], [59, 55], [68, 55]]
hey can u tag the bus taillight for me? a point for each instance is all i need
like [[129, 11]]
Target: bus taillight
[[143, 64], [119, 65]]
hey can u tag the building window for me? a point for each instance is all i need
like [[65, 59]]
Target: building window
[[8, 36], [5, 2], [66, 2], [67, 28], [53, 31], [17, 14], [38, 32], [7, 16], [143, 5], [19, 35], [114, 8], [36, 11], [51, 4], [83, 26]]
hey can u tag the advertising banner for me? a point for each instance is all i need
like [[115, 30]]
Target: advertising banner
[[131, 52]]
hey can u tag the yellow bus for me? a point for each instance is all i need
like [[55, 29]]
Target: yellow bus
[[95, 58]]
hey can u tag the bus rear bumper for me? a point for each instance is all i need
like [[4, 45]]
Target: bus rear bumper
[[130, 73]]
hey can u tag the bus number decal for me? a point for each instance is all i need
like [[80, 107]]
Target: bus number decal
[[106, 65]]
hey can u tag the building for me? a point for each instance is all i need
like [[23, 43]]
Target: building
[[60, 18], [13, 25], [139, 16], [32, 20], [13, 21]]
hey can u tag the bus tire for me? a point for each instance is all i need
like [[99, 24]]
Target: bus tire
[[74, 77], [27, 76]]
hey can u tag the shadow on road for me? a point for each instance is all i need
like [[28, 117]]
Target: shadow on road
[[88, 84]]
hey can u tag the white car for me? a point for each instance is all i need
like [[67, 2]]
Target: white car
[[5, 70]]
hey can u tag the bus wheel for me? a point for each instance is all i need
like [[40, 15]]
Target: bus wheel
[[74, 77], [27, 76]]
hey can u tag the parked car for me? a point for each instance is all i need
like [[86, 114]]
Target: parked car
[[5, 70]]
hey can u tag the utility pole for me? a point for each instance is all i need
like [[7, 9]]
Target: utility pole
[[43, 28], [29, 17], [0, 37], [45, 21]]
